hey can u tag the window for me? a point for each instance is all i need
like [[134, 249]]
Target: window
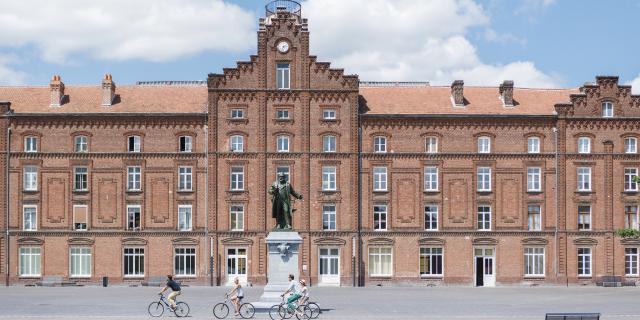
[[380, 217], [584, 217], [283, 170], [237, 114], [133, 217], [584, 179], [380, 144], [584, 145], [185, 178], [430, 178], [533, 179], [184, 217], [431, 145], [237, 179], [30, 182], [584, 262], [133, 262], [430, 262], [80, 262], [282, 143], [629, 184], [237, 217], [29, 218], [534, 262], [631, 261], [380, 264], [282, 75], [534, 219], [282, 114], [329, 217], [630, 145], [30, 261], [379, 179], [484, 218], [30, 144], [607, 109], [329, 178], [133, 144], [81, 179], [484, 145], [184, 262], [329, 143], [431, 217], [133, 178], [186, 144], [329, 114], [236, 143], [236, 262], [80, 144], [484, 179], [533, 145], [631, 217], [80, 217]]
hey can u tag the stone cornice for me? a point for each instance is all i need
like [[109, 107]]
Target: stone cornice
[[457, 155], [90, 155]]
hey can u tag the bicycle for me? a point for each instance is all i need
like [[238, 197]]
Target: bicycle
[[314, 308], [282, 311], [156, 309], [221, 310]]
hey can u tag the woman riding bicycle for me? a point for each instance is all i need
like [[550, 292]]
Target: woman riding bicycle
[[304, 292], [236, 295]]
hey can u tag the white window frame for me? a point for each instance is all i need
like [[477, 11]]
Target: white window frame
[[329, 143], [33, 264], [185, 178], [534, 220], [81, 143], [429, 253], [185, 144], [135, 145], [588, 218], [431, 144], [236, 178], [283, 114], [86, 227], [584, 178], [237, 113], [375, 255], [329, 114], [484, 144], [185, 253], [80, 253], [236, 143], [185, 217], [431, 217], [533, 145], [30, 178], [134, 178], [380, 144], [629, 184], [430, 178], [32, 221], [585, 258], [329, 222], [379, 178], [631, 261], [483, 179], [78, 183], [531, 267], [607, 109], [30, 144], [329, 178], [135, 262], [236, 217], [128, 226], [630, 145], [484, 218], [283, 75], [584, 145], [283, 143], [631, 217], [380, 217], [534, 179]]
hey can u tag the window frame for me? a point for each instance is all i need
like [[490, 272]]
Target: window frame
[[32, 265], [239, 181], [185, 178], [329, 178], [481, 224], [80, 146], [139, 264], [326, 142], [628, 144], [31, 183], [380, 179], [380, 217], [236, 143], [582, 259], [237, 111], [430, 146], [33, 223], [589, 219], [534, 175], [584, 145], [380, 254], [239, 217], [484, 147], [631, 262], [430, 221], [134, 146], [605, 107], [131, 225], [81, 263], [329, 110], [530, 271], [484, 184], [132, 182], [86, 227], [535, 216], [31, 144], [185, 144], [185, 214], [380, 144], [536, 149], [583, 178], [330, 223], [283, 75], [185, 255], [631, 216], [83, 183], [281, 140], [629, 184], [429, 252]]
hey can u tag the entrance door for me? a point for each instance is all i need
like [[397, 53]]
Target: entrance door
[[236, 265], [484, 262], [329, 270]]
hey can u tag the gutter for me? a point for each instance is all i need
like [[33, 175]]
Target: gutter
[[555, 266], [358, 247], [206, 205], [6, 242]]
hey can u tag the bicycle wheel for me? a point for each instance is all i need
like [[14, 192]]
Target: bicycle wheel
[[284, 311], [221, 310], [155, 309], [182, 309], [303, 312], [274, 312], [247, 310], [315, 309]]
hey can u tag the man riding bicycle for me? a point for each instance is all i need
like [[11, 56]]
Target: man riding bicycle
[[293, 289], [175, 291]]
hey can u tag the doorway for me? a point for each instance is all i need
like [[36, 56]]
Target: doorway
[[484, 266], [329, 269]]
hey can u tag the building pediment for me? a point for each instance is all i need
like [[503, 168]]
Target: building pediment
[[184, 241], [380, 241], [31, 240], [330, 241], [81, 241], [134, 241], [237, 241]]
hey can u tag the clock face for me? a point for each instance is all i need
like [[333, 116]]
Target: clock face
[[283, 46]]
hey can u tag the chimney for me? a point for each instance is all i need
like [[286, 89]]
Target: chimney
[[57, 91], [457, 93], [506, 93], [108, 90]]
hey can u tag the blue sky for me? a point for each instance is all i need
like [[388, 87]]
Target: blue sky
[[538, 43]]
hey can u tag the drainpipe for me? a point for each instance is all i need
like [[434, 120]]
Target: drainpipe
[[206, 203], [555, 138], [6, 172], [358, 248]]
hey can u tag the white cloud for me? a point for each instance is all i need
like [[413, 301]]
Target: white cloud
[[502, 38], [635, 85], [149, 30], [396, 40], [9, 75]]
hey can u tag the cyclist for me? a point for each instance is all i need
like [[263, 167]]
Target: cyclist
[[175, 291], [293, 289], [304, 292], [236, 295]]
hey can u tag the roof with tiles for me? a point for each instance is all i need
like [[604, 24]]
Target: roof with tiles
[[425, 100]]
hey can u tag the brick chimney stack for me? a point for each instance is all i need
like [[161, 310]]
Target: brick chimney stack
[[57, 91], [506, 91], [457, 92], [108, 90]]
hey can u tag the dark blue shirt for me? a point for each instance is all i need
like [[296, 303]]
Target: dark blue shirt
[[173, 285]]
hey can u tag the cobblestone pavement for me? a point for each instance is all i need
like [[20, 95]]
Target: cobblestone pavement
[[524, 303]]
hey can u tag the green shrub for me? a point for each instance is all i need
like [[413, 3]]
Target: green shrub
[[628, 233]]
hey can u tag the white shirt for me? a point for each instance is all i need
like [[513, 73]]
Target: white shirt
[[293, 287]]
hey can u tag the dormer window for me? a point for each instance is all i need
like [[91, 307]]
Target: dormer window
[[584, 145], [282, 76], [30, 144], [484, 145], [133, 143], [607, 109]]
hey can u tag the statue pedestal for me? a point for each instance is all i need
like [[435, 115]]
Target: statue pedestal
[[283, 248]]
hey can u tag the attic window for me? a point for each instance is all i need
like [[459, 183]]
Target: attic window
[[607, 109]]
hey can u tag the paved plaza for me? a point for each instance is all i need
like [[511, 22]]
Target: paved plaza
[[337, 303]]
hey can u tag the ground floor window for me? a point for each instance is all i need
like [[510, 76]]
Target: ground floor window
[[80, 262], [430, 262], [584, 262], [237, 262], [329, 261], [30, 261], [533, 262], [631, 261], [184, 261], [133, 262], [380, 261]]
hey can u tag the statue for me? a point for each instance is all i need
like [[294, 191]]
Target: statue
[[280, 192]]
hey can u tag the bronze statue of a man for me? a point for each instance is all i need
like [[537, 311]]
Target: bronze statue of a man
[[281, 192]]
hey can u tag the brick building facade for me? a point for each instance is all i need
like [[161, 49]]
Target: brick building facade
[[401, 182]]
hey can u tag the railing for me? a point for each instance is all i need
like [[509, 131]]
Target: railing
[[290, 6]]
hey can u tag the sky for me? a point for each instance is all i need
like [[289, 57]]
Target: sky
[[536, 43]]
